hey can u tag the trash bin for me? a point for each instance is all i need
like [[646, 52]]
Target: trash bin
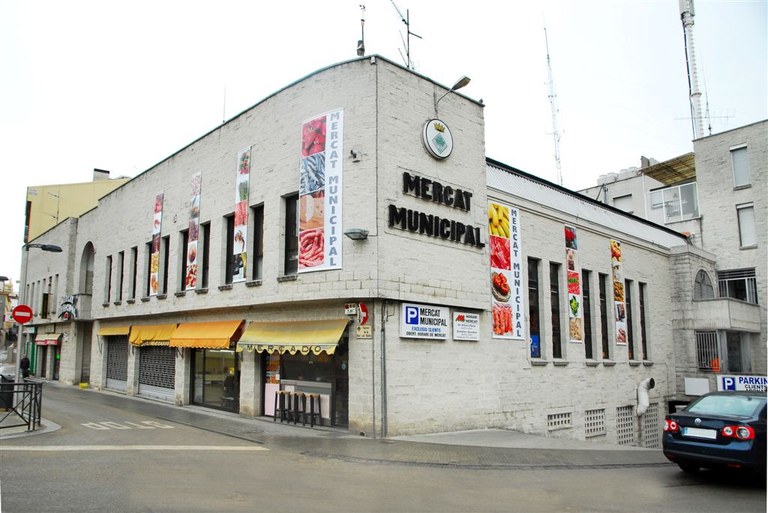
[[6, 392]]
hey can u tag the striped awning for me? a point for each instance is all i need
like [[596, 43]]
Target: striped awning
[[206, 335], [47, 339], [293, 337], [112, 331], [152, 335]]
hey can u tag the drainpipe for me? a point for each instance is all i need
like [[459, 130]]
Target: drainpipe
[[642, 395], [383, 369]]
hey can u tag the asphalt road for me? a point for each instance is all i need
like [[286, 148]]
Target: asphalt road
[[115, 454]]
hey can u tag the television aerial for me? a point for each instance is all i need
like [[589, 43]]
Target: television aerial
[[407, 42]]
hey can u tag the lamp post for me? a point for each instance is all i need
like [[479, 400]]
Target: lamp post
[[53, 248], [463, 81]]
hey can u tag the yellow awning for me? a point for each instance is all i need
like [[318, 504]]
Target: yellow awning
[[293, 336], [152, 335], [110, 331], [206, 335]]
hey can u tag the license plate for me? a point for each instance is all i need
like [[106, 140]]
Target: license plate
[[710, 434]]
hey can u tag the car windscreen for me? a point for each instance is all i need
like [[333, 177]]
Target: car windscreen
[[733, 405]]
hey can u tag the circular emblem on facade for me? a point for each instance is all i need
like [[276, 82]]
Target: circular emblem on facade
[[437, 139]]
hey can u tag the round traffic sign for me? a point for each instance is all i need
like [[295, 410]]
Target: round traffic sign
[[22, 314]]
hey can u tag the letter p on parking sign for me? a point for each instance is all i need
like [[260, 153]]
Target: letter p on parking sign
[[727, 383], [411, 315]]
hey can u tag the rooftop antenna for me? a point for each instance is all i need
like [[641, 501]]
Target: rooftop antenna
[[361, 43], [686, 15], [407, 20], [553, 105]]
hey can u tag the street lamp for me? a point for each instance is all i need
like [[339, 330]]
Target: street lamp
[[463, 81], [53, 248]]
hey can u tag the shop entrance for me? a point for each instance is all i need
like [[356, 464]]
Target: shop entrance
[[324, 374], [216, 379]]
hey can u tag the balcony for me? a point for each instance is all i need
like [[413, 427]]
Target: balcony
[[726, 314]]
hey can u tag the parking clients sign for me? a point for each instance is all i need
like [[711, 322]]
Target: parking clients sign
[[424, 321]]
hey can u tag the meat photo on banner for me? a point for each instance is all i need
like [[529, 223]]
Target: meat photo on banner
[[240, 231], [506, 280], [619, 307], [190, 279], [320, 192], [154, 257], [573, 276]]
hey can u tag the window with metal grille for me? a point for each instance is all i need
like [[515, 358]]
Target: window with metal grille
[[625, 425], [117, 358], [738, 284], [594, 422], [707, 351], [559, 421], [157, 366], [651, 428]]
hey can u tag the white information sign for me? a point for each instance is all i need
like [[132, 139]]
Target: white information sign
[[748, 383], [466, 326], [423, 321]]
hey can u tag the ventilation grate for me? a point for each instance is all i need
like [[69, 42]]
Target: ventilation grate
[[625, 425], [559, 421], [594, 422]]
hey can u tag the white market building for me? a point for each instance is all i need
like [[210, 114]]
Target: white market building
[[487, 297]]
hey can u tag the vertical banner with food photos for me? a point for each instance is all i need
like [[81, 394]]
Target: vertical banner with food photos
[[320, 193], [507, 284], [190, 281], [619, 307], [154, 257], [240, 231], [573, 278]]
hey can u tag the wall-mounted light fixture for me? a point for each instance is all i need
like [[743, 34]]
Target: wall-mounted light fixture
[[356, 234], [463, 81], [355, 154]]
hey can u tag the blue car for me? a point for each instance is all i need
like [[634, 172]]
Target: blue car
[[718, 430]]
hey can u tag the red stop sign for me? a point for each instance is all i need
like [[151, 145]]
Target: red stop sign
[[22, 314]]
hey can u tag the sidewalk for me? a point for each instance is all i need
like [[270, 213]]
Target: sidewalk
[[486, 448]]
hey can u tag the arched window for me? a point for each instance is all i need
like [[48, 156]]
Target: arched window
[[703, 289]]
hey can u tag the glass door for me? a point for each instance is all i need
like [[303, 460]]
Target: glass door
[[216, 379]]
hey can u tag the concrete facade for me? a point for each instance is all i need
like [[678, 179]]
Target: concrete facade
[[396, 385]]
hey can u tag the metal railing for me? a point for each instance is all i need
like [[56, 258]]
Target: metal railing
[[21, 404]]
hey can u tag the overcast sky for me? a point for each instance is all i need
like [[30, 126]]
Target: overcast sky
[[122, 85]]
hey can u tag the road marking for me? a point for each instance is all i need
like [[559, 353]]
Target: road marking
[[62, 448], [147, 424]]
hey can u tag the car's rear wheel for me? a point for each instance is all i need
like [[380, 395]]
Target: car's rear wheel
[[688, 467]]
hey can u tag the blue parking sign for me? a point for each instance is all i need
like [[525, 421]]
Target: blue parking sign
[[411, 315]]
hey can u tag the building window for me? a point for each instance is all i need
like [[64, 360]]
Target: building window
[[134, 272], [738, 284], [165, 252], [587, 314], [643, 333], [184, 238], [707, 353], [291, 235], [702, 288], [44, 305], [554, 300], [148, 260], [747, 231], [534, 325], [108, 284], [203, 256], [257, 251], [229, 244], [623, 203], [630, 331], [604, 316], [740, 164], [679, 202], [120, 275]]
